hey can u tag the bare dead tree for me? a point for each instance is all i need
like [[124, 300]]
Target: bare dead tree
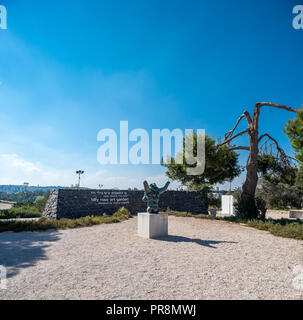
[[250, 184]]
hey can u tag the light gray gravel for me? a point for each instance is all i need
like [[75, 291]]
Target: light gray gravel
[[202, 259]]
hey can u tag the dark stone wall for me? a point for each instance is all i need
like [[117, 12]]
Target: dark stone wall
[[73, 203]]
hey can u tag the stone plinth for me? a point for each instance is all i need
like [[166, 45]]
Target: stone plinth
[[152, 225]]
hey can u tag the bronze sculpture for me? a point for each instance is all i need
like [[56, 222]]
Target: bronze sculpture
[[151, 196]]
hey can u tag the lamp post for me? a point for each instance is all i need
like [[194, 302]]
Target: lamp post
[[79, 172], [25, 185]]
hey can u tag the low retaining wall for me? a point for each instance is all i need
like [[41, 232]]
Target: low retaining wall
[[279, 214], [296, 214], [73, 203]]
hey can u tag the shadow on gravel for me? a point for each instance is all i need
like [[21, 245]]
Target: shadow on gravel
[[205, 243], [24, 249]]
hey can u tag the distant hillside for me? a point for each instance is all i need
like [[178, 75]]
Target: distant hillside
[[24, 194], [12, 189], [22, 197]]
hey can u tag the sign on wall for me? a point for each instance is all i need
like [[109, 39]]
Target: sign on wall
[[111, 197]]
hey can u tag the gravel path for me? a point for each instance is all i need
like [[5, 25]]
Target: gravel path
[[202, 259]]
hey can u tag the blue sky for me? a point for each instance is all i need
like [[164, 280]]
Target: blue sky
[[70, 68]]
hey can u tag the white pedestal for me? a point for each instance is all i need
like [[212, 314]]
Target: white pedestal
[[228, 205], [152, 225]]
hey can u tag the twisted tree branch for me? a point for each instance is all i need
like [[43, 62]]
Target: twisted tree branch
[[280, 150], [259, 105], [276, 105], [232, 138], [238, 148], [231, 132]]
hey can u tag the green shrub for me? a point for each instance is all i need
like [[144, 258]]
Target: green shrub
[[22, 197], [178, 213], [46, 224], [18, 211], [282, 228], [280, 195], [187, 214], [41, 201], [122, 213]]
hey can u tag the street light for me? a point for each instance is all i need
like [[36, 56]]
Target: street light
[[79, 172], [25, 185]]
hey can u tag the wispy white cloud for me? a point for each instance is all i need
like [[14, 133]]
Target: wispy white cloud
[[16, 170], [15, 162]]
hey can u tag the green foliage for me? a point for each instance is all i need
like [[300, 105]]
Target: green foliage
[[275, 171], [122, 214], [280, 196], [22, 197], [178, 213], [280, 184], [41, 201], [220, 165], [299, 179], [294, 131], [281, 228], [188, 215], [45, 224], [26, 210], [20, 211]]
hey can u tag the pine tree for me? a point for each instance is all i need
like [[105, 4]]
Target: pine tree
[[294, 131]]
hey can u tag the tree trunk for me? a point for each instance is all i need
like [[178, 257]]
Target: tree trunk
[[247, 203], [250, 184]]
